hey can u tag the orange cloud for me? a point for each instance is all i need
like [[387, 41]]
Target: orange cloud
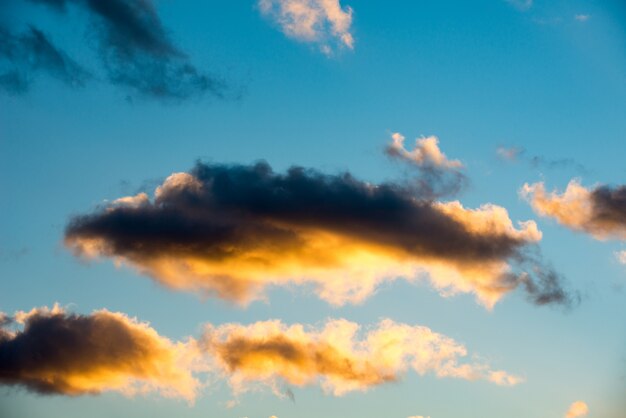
[[577, 409], [324, 22], [600, 211], [339, 356], [51, 351], [234, 231]]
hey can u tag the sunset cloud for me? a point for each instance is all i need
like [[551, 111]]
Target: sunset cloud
[[437, 175], [323, 22], [599, 211], [51, 351], [577, 409], [340, 356], [231, 231], [137, 52]]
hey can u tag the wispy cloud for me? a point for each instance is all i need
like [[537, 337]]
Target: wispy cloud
[[577, 410], [26, 55], [582, 18], [519, 154], [322, 22], [339, 356], [599, 211], [136, 51], [51, 351], [521, 4], [231, 231]]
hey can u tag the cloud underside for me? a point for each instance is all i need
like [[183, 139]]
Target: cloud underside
[[231, 231], [134, 48], [321, 22], [51, 351], [60, 353], [598, 211]]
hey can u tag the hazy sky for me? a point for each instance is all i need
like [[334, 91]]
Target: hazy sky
[[306, 208]]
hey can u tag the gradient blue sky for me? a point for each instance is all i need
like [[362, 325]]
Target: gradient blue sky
[[479, 75]]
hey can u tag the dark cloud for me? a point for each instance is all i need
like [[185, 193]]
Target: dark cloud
[[233, 229], [137, 52], [514, 154], [63, 353], [609, 206], [23, 56]]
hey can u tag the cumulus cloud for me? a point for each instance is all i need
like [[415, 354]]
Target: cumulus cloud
[[322, 22], [51, 351], [599, 211], [438, 175], [577, 409], [26, 55], [231, 231], [339, 356], [137, 52]]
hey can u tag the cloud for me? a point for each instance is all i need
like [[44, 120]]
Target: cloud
[[56, 352], [577, 409], [621, 256], [438, 176], [417, 416], [598, 211], [138, 54], [322, 22], [582, 18], [514, 154], [231, 231], [24, 56], [339, 356], [521, 4]]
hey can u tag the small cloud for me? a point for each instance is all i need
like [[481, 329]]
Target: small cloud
[[322, 22], [582, 18], [577, 409], [521, 4], [510, 154], [621, 256]]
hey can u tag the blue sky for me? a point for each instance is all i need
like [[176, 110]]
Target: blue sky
[[545, 77]]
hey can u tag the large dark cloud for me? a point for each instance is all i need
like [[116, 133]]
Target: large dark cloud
[[137, 52], [57, 352], [24, 55], [231, 230]]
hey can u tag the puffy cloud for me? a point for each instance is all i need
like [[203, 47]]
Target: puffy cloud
[[233, 230], [51, 351], [137, 52], [599, 211], [323, 22], [438, 176], [577, 409], [425, 154], [24, 56], [621, 256], [339, 356]]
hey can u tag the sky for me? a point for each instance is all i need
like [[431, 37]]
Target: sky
[[305, 208]]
